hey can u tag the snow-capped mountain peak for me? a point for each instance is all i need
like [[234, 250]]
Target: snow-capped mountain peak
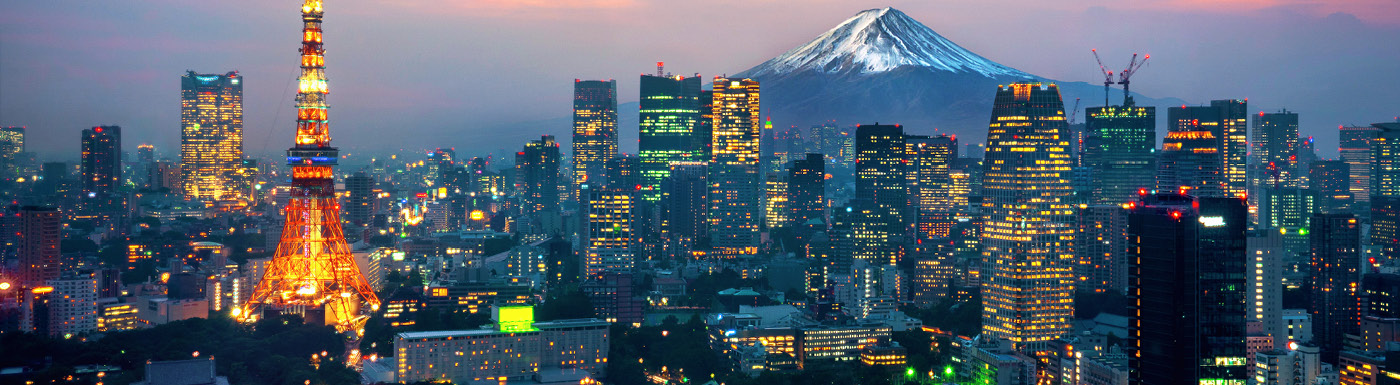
[[879, 40]]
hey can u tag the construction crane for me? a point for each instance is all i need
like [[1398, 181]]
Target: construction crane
[[1133, 67], [1107, 75], [1123, 76], [1074, 112]]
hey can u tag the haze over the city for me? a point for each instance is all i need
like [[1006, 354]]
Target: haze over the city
[[423, 74]]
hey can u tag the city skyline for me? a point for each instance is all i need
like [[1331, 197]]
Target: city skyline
[[448, 103]]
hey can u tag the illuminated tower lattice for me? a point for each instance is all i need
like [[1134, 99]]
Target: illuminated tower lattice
[[313, 273]]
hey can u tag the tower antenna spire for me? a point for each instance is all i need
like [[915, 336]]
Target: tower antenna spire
[[313, 273]]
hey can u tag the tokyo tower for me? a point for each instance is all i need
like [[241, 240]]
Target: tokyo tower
[[312, 273]]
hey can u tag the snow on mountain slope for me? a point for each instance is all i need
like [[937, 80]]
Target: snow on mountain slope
[[879, 40]]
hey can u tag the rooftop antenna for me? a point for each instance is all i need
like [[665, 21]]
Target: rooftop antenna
[[660, 69]]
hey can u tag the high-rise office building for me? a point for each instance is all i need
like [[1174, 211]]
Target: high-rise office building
[[1385, 159], [1027, 235], [359, 199], [1101, 249], [211, 141], [1385, 189], [1187, 149], [102, 160], [609, 232], [734, 178], [1120, 147], [1275, 151], [595, 130], [1330, 181], [775, 200], [1266, 255], [73, 304], [684, 206], [1335, 278], [37, 243], [1355, 149], [930, 160], [1187, 289], [537, 175], [11, 146], [668, 115], [880, 194], [1191, 160], [806, 189]]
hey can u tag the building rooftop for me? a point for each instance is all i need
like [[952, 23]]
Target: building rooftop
[[199, 371]]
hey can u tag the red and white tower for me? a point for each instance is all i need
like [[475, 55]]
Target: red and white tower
[[313, 272]]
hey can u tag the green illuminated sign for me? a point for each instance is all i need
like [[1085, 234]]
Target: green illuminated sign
[[515, 318]]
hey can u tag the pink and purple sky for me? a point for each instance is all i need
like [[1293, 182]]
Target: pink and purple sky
[[414, 74]]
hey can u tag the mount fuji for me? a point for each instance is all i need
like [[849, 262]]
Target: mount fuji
[[882, 65]]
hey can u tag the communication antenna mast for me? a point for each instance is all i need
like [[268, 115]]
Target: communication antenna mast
[[660, 69]]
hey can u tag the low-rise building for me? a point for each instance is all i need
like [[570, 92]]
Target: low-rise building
[[516, 349]]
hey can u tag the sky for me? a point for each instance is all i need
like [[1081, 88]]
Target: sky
[[418, 74]]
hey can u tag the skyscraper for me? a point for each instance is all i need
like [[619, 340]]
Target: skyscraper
[[1101, 248], [11, 146], [1385, 189], [929, 162], [684, 206], [734, 178], [1227, 122], [806, 189], [38, 230], [1355, 149], [102, 160], [1336, 257], [1028, 222], [359, 200], [1120, 146], [595, 130], [609, 231], [1187, 289], [1330, 181], [537, 175], [775, 200], [880, 193], [211, 141], [668, 115], [1275, 151], [1191, 159], [1266, 259]]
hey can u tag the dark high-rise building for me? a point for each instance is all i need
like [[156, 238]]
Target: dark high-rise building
[[537, 175], [1101, 249], [1275, 151], [1186, 149], [1028, 225], [684, 206], [668, 115], [1190, 159], [1120, 147], [1355, 150], [211, 141], [734, 178], [880, 193], [1336, 257], [37, 242], [1187, 288], [625, 172], [595, 129], [806, 190], [930, 161], [1381, 293], [102, 160], [359, 199], [1385, 225], [1330, 181]]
